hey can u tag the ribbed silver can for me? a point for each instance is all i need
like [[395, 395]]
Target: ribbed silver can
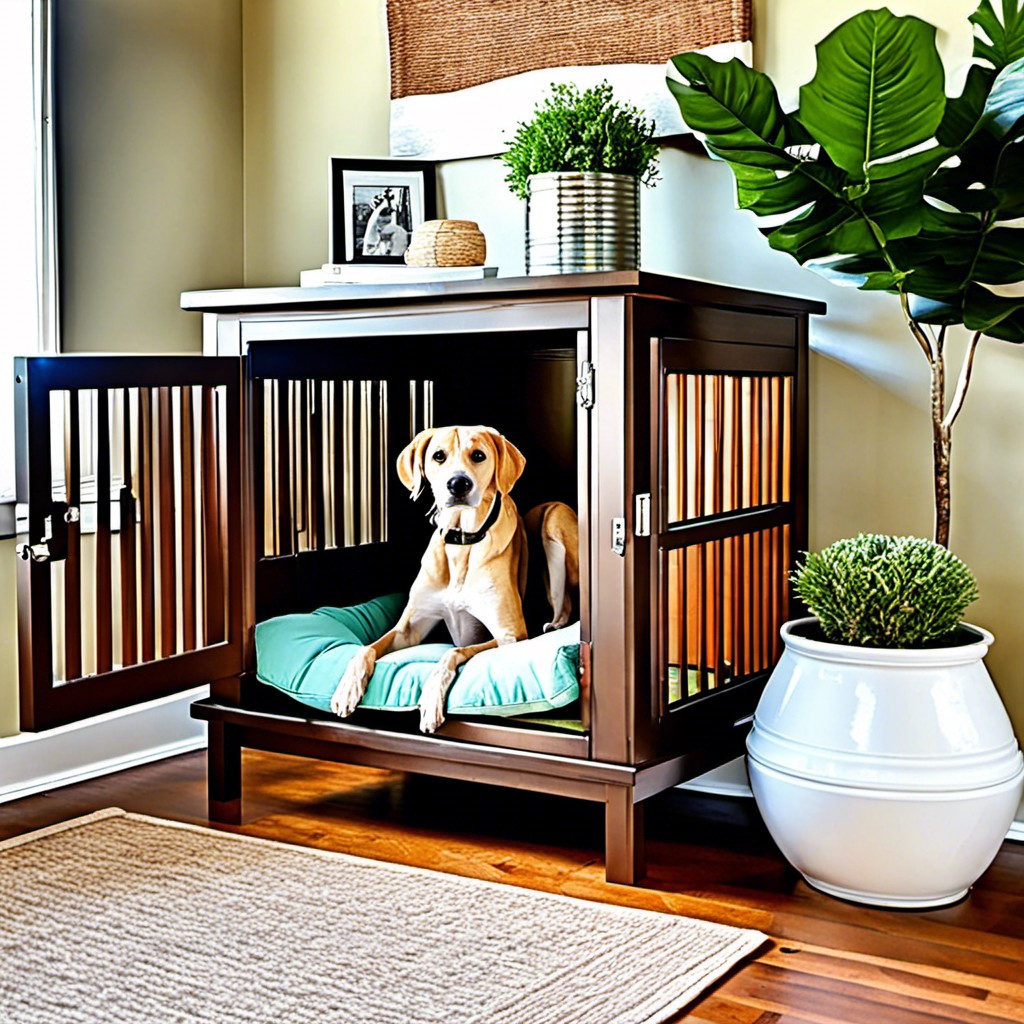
[[582, 220]]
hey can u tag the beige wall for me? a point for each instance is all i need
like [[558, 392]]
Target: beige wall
[[150, 134], [315, 83], [150, 130], [870, 426]]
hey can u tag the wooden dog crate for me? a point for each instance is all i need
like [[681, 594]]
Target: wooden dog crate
[[176, 501]]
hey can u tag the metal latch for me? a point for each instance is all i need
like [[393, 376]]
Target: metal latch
[[642, 515], [34, 552], [619, 536], [585, 385]]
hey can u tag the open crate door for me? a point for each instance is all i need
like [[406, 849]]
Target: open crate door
[[130, 579]]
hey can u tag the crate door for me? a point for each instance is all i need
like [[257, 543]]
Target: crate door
[[727, 509], [129, 579]]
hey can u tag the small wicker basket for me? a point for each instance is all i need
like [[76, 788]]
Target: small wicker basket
[[447, 243]]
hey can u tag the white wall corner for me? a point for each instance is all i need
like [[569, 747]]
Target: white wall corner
[[1017, 828], [36, 761]]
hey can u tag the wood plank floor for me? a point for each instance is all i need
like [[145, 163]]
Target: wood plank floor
[[828, 962]]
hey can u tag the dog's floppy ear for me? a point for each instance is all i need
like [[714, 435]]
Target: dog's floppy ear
[[510, 462], [410, 462]]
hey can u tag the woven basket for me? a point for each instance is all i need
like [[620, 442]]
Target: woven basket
[[447, 243]]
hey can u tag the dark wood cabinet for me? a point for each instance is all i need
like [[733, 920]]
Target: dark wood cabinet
[[671, 413]]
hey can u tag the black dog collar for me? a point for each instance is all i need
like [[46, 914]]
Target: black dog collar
[[462, 537]]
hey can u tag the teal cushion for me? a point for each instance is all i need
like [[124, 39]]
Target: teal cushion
[[305, 656]]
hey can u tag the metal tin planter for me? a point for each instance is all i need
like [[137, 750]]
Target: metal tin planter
[[580, 221]]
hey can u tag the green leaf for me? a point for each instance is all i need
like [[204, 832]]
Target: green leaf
[[1001, 260], [963, 113], [809, 236], [877, 92], [993, 315], [1004, 109], [1005, 42], [767, 192], [735, 108]]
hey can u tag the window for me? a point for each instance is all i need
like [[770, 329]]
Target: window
[[28, 253]]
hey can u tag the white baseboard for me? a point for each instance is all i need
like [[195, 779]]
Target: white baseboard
[[731, 780], [32, 762]]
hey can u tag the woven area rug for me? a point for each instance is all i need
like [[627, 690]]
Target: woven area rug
[[117, 918]]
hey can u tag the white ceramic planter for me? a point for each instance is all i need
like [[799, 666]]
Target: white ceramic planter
[[887, 777]]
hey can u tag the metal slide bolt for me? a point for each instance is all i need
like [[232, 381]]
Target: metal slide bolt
[[34, 552]]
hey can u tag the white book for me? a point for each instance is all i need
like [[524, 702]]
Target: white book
[[378, 273]]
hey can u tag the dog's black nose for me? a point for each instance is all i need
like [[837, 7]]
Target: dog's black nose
[[460, 485]]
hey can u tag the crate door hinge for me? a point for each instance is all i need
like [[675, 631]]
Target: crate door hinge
[[585, 385], [642, 516]]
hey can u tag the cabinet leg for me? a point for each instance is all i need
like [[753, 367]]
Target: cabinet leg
[[625, 861], [224, 774]]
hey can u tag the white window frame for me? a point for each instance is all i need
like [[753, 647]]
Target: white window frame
[[44, 253]]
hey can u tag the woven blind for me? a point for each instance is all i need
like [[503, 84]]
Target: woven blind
[[438, 46]]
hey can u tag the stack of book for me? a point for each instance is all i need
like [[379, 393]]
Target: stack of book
[[376, 273]]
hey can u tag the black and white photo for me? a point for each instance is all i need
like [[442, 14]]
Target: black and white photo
[[376, 205]]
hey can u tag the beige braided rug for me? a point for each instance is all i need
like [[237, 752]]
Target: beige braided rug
[[122, 919]]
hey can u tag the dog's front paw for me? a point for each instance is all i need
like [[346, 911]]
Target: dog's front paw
[[550, 627], [353, 683], [434, 698]]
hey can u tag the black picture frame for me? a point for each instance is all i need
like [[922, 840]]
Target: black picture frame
[[368, 194]]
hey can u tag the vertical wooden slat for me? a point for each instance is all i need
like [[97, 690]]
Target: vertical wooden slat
[[73, 563], [300, 433], [718, 416], [338, 461], [316, 467], [787, 436], [670, 613], [756, 442], [768, 413], [129, 598], [211, 498], [104, 619], [168, 541], [264, 393], [283, 485], [684, 452], [684, 602], [736, 631], [327, 488], [147, 582], [226, 439], [188, 522]]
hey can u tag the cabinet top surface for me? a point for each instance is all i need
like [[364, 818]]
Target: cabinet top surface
[[517, 289]]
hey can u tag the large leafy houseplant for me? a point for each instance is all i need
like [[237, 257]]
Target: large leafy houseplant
[[882, 182]]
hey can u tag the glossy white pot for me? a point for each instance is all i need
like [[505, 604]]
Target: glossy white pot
[[887, 777]]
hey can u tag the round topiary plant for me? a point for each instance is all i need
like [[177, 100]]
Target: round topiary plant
[[879, 591], [587, 130]]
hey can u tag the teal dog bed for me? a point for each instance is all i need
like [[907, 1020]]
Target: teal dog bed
[[305, 657]]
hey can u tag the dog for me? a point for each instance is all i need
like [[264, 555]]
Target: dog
[[558, 529], [473, 573]]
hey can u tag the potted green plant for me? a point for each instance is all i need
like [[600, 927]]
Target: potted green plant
[[578, 164], [881, 757], [882, 182]]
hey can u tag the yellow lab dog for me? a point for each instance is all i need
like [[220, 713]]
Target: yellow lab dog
[[473, 573]]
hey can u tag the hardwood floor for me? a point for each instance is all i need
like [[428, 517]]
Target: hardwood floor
[[828, 962]]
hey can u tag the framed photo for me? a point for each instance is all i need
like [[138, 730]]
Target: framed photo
[[376, 205]]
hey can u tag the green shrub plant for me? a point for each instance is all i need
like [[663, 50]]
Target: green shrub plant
[[588, 130], [878, 591]]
